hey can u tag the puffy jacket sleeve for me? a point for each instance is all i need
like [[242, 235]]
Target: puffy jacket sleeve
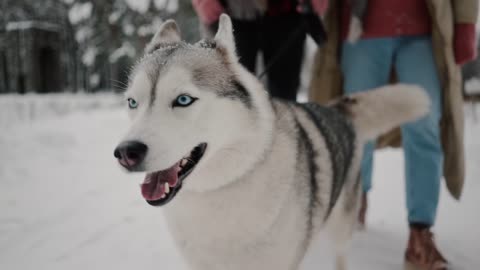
[[465, 14], [465, 11]]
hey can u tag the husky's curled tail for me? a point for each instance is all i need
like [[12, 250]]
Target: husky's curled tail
[[371, 113], [378, 111]]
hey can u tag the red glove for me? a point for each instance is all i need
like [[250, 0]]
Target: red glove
[[465, 43], [208, 11]]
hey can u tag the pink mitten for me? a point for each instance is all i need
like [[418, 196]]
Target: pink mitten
[[208, 10]]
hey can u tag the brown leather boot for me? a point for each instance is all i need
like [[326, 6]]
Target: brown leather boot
[[362, 213], [422, 253]]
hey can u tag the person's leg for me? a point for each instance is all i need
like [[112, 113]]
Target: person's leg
[[246, 35], [366, 65], [284, 65], [415, 64]]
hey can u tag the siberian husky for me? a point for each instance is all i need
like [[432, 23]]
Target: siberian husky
[[245, 180]]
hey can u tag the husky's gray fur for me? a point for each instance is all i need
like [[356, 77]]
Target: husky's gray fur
[[274, 173]]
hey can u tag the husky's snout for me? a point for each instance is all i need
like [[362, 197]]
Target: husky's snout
[[130, 154]]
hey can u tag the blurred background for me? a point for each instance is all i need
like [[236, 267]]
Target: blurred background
[[64, 201], [79, 45], [88, 46]]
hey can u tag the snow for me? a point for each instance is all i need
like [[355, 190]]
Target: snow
[[25, 25], [472, 86], [88, 57], [94, 79], [83, 33], [125, 50], [114, 16], [128, 28], [66, 204], [31, 108], [149, 29], [140, 6], [79, 12], [171, 6]]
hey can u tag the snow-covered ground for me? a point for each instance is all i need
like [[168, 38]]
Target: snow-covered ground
[[65, 204], [19, 109], [472, 86]]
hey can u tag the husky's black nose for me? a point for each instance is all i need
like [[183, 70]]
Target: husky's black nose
[[130, 154]]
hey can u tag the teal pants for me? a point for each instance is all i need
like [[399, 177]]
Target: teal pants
[[367, 64]]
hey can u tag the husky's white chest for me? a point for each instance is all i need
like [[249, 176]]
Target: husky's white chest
[[256, 223]]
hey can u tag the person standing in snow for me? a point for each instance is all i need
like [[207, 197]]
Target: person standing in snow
[[421, 42], [264, 25]]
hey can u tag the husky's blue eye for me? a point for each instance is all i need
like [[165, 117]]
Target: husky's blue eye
[[132, 103], [183, 101]]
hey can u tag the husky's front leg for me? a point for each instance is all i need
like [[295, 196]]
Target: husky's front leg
[[342, 222], [341, 235]]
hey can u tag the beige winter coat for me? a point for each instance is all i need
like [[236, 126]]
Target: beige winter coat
[[327, 79]]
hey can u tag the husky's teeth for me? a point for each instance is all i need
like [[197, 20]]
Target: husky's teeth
[[163, 196], [167, 188]]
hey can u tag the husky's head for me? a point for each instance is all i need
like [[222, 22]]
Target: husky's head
[[195, 113]]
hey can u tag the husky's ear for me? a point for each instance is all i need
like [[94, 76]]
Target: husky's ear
[[167, 33], [224, 37]]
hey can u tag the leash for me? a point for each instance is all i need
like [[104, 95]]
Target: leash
[[311, 24], [283, 49]]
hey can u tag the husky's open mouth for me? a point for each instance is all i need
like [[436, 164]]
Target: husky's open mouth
[[160, 187]]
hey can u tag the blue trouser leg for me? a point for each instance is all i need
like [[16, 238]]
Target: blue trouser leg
[[366, 65], [415, 64]]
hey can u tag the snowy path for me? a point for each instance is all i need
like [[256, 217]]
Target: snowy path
[[66, 205]]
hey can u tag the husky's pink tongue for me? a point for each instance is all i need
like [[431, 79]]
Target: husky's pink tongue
[[154, 185]]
